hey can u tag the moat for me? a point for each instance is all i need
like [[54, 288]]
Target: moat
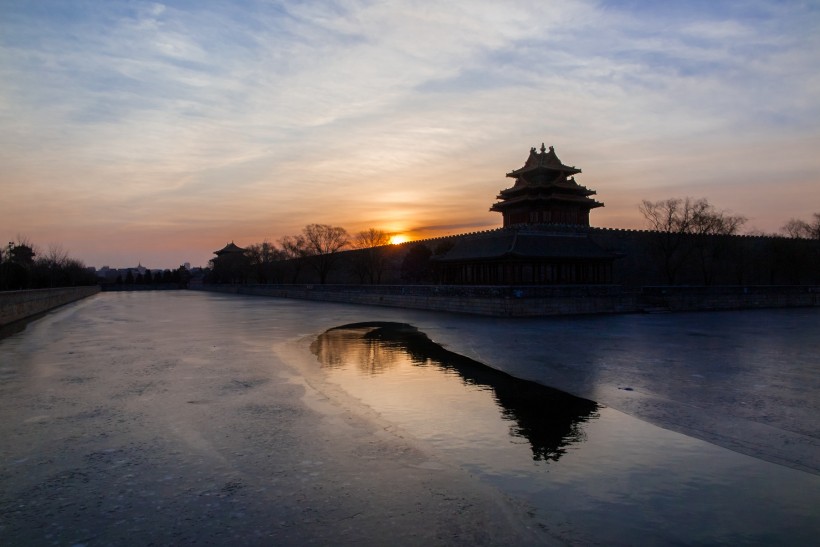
[[181, 417]]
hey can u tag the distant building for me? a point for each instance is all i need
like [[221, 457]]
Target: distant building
[[538, 244], [229, 249], [230, 264]]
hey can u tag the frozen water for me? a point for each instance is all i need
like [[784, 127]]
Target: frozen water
[[179, 417], [606, 477]]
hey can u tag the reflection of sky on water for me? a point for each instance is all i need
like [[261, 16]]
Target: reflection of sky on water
[[610, 478]]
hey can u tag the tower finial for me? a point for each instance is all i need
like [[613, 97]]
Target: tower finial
[[543, 148]]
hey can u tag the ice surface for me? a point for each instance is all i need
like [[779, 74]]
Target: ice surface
[[177, 417]]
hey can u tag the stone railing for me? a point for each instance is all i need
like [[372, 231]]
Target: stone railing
[[18, 305], [729, 298], [500, 301], [533, 301]]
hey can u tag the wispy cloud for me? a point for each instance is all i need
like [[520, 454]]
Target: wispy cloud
[[275, 114]]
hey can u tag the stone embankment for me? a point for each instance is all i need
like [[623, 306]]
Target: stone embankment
[[19, 305], [527, 301]]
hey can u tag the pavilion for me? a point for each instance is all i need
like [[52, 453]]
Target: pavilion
[[544, 237]]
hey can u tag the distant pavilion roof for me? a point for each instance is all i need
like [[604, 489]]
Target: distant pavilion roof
[[229, 249]]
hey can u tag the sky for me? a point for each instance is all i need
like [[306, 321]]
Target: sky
[[142, 132]]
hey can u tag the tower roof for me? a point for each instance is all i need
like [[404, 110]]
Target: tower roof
[[229, 248], [545, 191], [543, 161]]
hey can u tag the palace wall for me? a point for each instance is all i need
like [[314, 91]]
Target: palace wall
[[654, 258], [19, 305], [642, 258], [651, 273]]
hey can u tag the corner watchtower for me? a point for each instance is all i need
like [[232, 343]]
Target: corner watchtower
[[545, 192]]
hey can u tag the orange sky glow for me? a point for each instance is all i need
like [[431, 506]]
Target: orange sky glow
[[152, 133]]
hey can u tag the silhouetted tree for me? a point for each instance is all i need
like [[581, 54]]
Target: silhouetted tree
[[264, 261], [294, 252], [75, 274], [322, 246], [672, 219], [16, 270], [22, 268], [370, 262], [49, 268], [676, 221], [800, 228], [22, 254], [181, 276], [711, 228]]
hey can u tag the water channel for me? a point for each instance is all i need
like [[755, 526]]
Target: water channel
[[148, 395]]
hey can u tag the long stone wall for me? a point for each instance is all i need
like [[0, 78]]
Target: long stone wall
[[729, 298], [527, 301], [18, 305], [642, 258]]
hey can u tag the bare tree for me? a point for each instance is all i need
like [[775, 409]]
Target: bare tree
[[371, 260], [706, 220], [672, 215], [672, 219], [294, 251], [712, 226], [51, 264], [55, 256], [800, 228], [676, 220], [370, 238], [322, 244], [263, 260], [293, 247]]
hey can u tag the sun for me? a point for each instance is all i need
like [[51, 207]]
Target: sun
[[398, 238]]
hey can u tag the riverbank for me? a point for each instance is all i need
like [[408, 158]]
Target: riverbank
[[19, 305], [541, 301]]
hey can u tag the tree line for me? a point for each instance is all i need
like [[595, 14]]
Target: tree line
[[167, 278], [23, 266], [691, 235], [321, 252], [317, 247]]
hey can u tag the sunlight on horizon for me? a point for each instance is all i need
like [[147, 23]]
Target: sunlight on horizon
[[143, 132]]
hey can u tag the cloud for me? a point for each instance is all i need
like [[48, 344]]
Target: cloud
[[275, 114]]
